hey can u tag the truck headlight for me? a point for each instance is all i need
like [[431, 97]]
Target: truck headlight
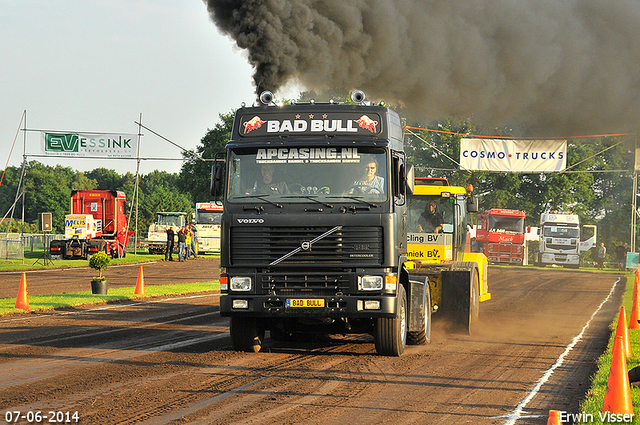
[[239, 283], [371, 283]]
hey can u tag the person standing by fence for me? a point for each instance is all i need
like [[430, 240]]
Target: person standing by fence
[[182, 239], [187, 246], [602, 252], [621, 253], [194, 241], [168, 254]]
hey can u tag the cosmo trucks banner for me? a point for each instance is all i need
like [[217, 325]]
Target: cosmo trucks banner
[[515, 156], [77, 145]]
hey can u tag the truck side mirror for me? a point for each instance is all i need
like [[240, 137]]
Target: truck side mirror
[[528, 229], [410, 179], [217, 171], [472, 203]]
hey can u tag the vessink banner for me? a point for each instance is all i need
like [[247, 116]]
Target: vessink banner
[[77, 145]]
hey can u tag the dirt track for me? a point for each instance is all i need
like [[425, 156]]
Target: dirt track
[[170, 360]]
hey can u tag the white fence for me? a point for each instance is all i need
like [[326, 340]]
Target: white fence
[[14, 245]]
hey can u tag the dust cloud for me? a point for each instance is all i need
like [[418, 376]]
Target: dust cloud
[[551, 66]]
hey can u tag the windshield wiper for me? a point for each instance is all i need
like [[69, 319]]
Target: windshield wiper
[[306, 246], [262, 198], [359, 199], [311, 198]]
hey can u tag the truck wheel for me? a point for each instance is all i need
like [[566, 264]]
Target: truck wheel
[[246, 335], [390, 334], [474, 301], [424, 336]]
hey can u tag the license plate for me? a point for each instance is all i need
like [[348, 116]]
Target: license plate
[[305, 302]]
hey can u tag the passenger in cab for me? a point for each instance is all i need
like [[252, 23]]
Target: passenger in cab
[[266, 184]]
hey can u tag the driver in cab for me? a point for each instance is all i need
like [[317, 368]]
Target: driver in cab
[[371, 183], [430, 221]]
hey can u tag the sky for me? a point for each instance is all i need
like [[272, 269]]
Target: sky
[[96, 65]]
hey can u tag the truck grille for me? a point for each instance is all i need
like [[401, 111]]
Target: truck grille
[[349, 246], [571, 248], [297, 284]]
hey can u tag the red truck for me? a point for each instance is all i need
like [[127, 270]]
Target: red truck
[[500, 235], [97, 223]]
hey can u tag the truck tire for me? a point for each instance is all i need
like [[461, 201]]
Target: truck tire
[[246, 335], [390, 334], [474, 302], [424, 336]]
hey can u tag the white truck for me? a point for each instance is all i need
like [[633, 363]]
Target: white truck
[[207, 220], [560, 239], [156, 241]]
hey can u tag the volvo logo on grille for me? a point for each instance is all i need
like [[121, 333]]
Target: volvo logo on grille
[[250, 220], [305, 245]]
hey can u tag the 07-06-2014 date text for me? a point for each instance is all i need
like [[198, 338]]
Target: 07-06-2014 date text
[[52, 416]]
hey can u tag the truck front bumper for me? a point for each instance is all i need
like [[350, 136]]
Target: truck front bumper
[[352, 306], [555, 258]]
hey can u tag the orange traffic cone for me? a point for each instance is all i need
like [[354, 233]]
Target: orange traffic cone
[[140, 283], [635, 287], [623, 331], [23, 297], [554, 418], [634, 322], [617, 398]]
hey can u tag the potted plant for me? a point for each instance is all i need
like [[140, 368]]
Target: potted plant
[[99, 261]]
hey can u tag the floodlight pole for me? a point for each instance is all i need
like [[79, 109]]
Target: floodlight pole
[[138, 181], [634, 201], [634, 211], [24, 183]]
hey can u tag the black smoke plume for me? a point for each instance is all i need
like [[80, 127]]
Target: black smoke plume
[[554, 66]]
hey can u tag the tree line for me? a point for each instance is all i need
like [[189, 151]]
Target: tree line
[[598, 186]]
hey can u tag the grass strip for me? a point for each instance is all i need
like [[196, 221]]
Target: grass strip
[[594, 400], [76, 299], [34, 261]]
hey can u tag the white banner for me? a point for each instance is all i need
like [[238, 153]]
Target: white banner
[[77, 145], [517, 156]]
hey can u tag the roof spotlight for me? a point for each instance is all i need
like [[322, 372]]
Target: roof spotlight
[[358, 96], [266, 97]]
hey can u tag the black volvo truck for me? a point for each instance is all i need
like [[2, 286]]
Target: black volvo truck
[[314, 228]]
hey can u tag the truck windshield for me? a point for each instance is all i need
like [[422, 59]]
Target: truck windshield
[[561, 232], [295, 174], [425, 218], [506, 224], [170, 220], [208, 217]]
